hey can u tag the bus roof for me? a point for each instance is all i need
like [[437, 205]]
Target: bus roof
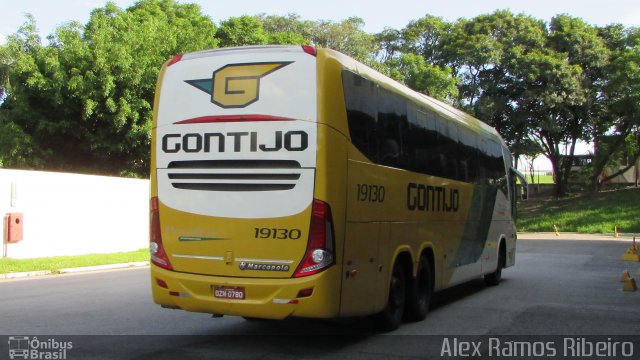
[[261, 48]]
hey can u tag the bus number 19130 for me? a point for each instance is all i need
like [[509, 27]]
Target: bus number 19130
[[370, 193], [279, 234]]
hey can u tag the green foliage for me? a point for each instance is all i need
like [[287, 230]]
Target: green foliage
[[84, 101], [287, 38], [432, 80], [631, 145], [618, 102], [5, 67], [346, 37], [289, 27], [17, 149], [424, 37], [239, 31], [388, 44]]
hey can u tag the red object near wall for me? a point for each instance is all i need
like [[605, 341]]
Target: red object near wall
[[13, 224]]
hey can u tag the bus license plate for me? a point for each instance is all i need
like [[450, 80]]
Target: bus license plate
[[228, 292]]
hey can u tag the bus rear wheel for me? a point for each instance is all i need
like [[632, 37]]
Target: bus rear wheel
[[391, 317], [420, 291]]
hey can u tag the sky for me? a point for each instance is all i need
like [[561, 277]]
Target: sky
[[377, 14]]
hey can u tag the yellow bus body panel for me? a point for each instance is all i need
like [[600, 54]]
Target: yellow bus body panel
[[265, 298]]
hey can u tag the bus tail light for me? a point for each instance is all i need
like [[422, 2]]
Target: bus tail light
[[175, 59], [320, 246], [158, 255], [310, 50]]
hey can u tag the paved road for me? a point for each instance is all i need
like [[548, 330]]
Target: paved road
[[557, 287]]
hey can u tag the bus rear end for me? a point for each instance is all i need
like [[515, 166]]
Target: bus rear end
[[235, 228]]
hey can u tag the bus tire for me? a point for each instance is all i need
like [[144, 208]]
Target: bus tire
[[391, 317], [420, 291], [495, 277]]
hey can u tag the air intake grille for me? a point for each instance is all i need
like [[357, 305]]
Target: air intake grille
[[234, 175]]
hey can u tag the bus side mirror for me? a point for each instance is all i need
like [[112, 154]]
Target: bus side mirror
[[524, 193]]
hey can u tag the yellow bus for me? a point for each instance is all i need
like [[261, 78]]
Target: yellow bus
[[290, 181]]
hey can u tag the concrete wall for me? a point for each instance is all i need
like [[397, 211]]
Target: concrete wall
[[70, 214]]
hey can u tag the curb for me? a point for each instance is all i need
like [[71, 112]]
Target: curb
[[24, 274], [20, 275], [575, 236]]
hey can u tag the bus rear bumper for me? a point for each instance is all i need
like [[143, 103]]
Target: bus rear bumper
[[264, 298]]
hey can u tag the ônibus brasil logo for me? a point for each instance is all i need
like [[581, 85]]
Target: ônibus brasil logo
[[25, 347], [236, 85]]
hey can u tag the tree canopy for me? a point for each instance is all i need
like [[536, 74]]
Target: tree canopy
[[83, 101]]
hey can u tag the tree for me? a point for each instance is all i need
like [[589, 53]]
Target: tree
[[243, 30], [5, 66], [286, 38], [503, 83], [346, 36], [288, 29], [291, 23], [424, 37], [471, 50], [388, 44], [85, 99], [553, 89], [485, 55], [414, 72], [530, 151], [529, 82], [17, 147], [583, 47], [617, 130]]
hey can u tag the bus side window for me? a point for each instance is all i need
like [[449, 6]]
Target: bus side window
[[484, 164], [423, 140], [407, 127], [467, 146], [496, 166], [392, 111], [445, 149], [360, 95]]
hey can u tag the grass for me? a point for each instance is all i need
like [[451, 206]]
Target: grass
[[588, 213], [54, 263], [541, 179]]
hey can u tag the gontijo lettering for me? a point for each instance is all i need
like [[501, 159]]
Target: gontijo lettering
[[236, 141], [432, 198]]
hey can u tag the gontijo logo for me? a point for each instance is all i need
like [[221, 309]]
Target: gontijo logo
[[236, 85]]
